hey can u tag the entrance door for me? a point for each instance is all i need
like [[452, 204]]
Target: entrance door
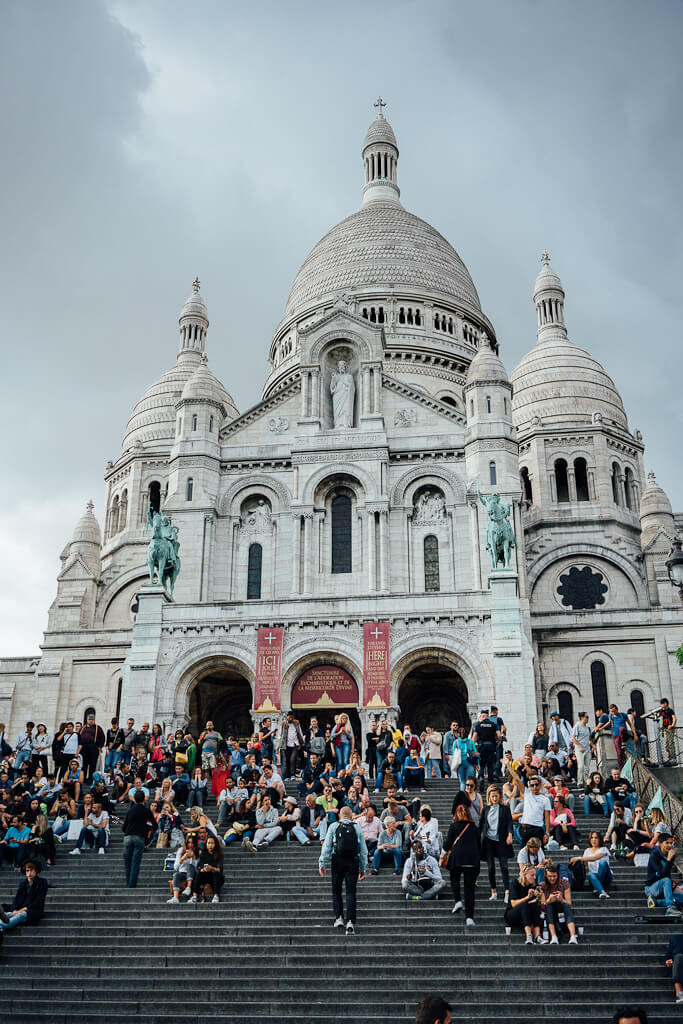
[[323, 692], [224, 698], [433, 694]]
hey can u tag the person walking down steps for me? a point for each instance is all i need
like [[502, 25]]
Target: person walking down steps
[[346, 848]]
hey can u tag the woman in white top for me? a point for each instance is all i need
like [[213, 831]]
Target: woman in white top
[[343, 741], [184, 868], [531, 854], [596, 860], [41, 746]]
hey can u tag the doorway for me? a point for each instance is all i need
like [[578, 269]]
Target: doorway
[[223, 697], [433, 694]]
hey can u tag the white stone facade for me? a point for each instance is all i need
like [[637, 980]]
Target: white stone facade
[[435, 419]]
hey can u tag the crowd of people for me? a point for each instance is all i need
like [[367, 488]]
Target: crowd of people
[[362, 799]]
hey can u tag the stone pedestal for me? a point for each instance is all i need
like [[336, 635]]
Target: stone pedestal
[[140, 667], [513, 662]]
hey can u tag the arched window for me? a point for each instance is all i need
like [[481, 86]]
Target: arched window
[[565, 705], [431, 554], [114, 517], [599, 685], [341, 533], [211, 424], [581, 477], [254, 572], [154, 498], [615, 484], [493, 479], [488, 404], [194, 423], [448, 400], [527, 490], [638, 705], [123, 511], [190, 488], [88, 711], [561, 482], [628, 486]]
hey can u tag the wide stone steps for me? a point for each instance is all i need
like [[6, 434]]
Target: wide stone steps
[[263, 950]]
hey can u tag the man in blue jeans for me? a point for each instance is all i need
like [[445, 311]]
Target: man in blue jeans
[[414, 771], [389, 847], [658, 886], [29, 903], [136, 829], [390, 767]]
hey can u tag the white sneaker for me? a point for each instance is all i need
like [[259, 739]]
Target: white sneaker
[[603, 896], [493, 897], [339, 923], [173, 899], [529, 940], [470, 922], [75, 853], [456, 907], [192, 899], [573, 941], [554, 941], [350, 930], [540, 941], [59, 839], [506, 898], [100, 853], [216, 899]]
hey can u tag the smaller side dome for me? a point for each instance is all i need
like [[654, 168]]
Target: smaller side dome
[[486, 366], [655, 510], [204, 386], [87, 529]]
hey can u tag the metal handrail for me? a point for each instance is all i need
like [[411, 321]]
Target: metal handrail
[[646, 784]]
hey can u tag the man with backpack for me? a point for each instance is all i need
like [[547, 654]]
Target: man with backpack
[[346, 848]]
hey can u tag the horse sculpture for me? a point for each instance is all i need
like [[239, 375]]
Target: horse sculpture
[[500, 539], [162, 553]]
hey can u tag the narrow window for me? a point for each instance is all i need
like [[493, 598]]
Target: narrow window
[[380, 315], [431, 556], [190, 488], [194, 423], [418, 318], [402, 315], [628, 486], [638, 705], [488, 404], [581, 477], [527, 490], [211, 424], [341, 534], [561, 481], [615, 484], [505, 406], [492, 474], [471, 407], [254, 572], [599, 685], [565, 705], [155, 496], [410, 315]]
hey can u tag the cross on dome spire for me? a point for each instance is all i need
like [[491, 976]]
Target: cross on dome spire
[[545, 258], [379, 104], [195, 286], [90, 506]]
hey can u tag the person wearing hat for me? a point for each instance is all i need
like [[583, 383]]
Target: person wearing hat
[[290, 818], [29, 902], [422, 878]]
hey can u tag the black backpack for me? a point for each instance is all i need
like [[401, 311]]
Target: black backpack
[[346, 841]]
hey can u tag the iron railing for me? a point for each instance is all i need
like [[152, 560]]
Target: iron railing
[[646, 785]]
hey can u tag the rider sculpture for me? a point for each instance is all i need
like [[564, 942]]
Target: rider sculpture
[[500, 540], [162, 553]]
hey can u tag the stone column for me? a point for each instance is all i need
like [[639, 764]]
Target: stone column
[[409, 549], [365, 391], [383, 551], [296, 553], [315, 394], [476, 546], [377, 389], [519, 549], [512, 658], [371, 552], [234, 540], [138, 692], [571, 483], [305, 391], [308, 534]]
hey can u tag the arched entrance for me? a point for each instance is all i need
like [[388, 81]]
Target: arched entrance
[[222, 696], [323, 692], [433, 694]]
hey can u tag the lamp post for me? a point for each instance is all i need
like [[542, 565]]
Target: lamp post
[[674, 566]]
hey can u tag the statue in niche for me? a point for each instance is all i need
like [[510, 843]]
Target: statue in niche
[[343, 390], [257, 519], [430, 507]]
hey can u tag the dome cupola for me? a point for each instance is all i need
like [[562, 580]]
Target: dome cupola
[[87, 539], [194, 323], [487, 367], [380, 160], [655, 510], [549, 300]]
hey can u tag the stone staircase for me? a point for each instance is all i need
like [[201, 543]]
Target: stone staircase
[[268, 951]]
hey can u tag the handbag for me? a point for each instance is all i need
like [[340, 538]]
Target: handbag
[[456, 758], [446, 855], [180, 758]]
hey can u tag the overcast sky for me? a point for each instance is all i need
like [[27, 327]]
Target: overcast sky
[[145, 142]]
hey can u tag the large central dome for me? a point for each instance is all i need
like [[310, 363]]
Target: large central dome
[[382, 246]]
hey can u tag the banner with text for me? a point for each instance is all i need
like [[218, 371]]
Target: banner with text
[[268, 678], [376, 681]]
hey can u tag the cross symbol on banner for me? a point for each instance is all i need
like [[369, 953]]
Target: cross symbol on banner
[[375, 632], [270, 638]]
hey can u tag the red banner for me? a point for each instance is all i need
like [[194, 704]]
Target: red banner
[[376, 680], [268, 678], [325, 686]]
